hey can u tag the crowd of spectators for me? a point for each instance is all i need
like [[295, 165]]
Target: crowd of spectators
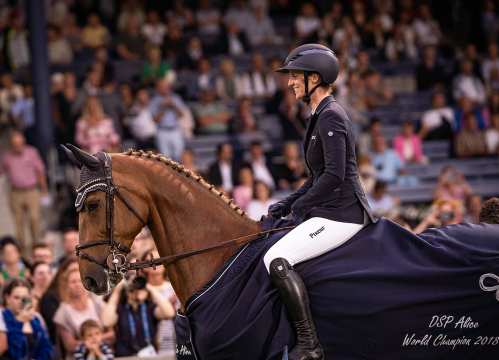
[[207, 69]]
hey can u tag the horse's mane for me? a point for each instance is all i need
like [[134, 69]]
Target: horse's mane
[[188, 173]]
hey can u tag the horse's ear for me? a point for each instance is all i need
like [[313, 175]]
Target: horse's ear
[[82, 157], [71, 157]]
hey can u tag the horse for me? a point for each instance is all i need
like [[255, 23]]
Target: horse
[[385, 294]]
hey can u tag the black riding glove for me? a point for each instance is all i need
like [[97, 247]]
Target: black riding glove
[[279, 209]]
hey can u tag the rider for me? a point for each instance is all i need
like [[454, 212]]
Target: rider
[[331, 206]]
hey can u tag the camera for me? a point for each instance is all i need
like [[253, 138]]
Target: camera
[[446, 216], [26, 302]]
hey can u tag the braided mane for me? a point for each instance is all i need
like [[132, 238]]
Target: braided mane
[[187, 173]]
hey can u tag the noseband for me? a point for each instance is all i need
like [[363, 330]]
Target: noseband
[[116, 260]]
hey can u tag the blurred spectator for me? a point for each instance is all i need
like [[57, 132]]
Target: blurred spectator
[[157, 279], [154, 30], [212, 116], [288, 174], [130, 9], [141, 122], [15, 42], [259, 27], [174, 44], [59, 49], [260, 164], [426, 27], [23, 114], [228, 83], [154, 68], [189, 56], [77, 305], [261, 201], [307, 22], [437, 123], [130, 43], [42, 252], [223, 173], [376, 92], [234, 40], [168, 111], [429, 72], [50, 300], [188, 160], [381, 202], [366, 141], [245, 119], [74, 34], [92, 346], [205, 78], [10, 92], [385, 160], [94, 130], [261, 80], [408, 145], [490, 63], [134, 311], [26, 174], [243, 193], [208, 19], [181, 16], [442, 213], [469, 85], [12, 265], [63, 96], [492, 135], [292, 116], [237, 13], [22, 332], [466, 106], [367, 173], [470, 54], [41, 277], [94, 34], [401, 45], [348, 35], [489, 21], [470, 141], [451, 185], [70, 238], [473, 207]]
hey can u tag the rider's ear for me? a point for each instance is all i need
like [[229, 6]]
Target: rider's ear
[[83, 158]]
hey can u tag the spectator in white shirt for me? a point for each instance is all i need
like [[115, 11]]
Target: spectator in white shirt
[[259, 28], [141, 121], [492, 136], [426, 28], [260, 81], [258, 163], [490, 62], [437, 122], [307, 22], [468, 85], [261, 202], [154, 30]]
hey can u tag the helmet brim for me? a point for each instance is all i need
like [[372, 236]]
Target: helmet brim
[[290, 67]]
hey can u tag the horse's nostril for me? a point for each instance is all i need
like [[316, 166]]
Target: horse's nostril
[[90, 284]]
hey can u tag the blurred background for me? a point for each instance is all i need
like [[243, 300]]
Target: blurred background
[[194, 80]]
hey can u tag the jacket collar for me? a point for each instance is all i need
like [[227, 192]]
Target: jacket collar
[[325, 102]]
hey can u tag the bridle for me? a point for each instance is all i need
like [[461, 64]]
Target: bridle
[[116, 262]]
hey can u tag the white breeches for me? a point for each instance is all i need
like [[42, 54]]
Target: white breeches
[[310, 239]]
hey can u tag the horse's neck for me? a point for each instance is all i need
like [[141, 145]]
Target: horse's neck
[[185, 216]]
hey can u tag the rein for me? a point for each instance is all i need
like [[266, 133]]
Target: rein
[[116, 261], [165, 260]]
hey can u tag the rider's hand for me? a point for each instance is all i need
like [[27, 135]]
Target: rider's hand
[[279, 209]]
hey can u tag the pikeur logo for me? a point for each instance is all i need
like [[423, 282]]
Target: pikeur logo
[[317, 232]]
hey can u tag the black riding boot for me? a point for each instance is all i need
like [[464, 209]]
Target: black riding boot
[[295, 298]]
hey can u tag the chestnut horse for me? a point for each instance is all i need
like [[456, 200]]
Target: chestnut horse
[[179, 207]]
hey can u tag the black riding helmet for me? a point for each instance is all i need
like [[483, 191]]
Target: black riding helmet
[[311, 58]]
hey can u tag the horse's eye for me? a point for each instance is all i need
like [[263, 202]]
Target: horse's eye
[[92, 206]]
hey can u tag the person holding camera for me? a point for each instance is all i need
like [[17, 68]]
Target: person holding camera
[[134, 310], [22, 332], [442, 213]]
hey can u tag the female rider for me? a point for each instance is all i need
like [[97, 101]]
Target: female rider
[[331, 206]]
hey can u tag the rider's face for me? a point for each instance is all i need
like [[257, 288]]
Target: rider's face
[[296, 82]]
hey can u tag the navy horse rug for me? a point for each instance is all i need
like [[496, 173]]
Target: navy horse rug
[[385, 294]]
